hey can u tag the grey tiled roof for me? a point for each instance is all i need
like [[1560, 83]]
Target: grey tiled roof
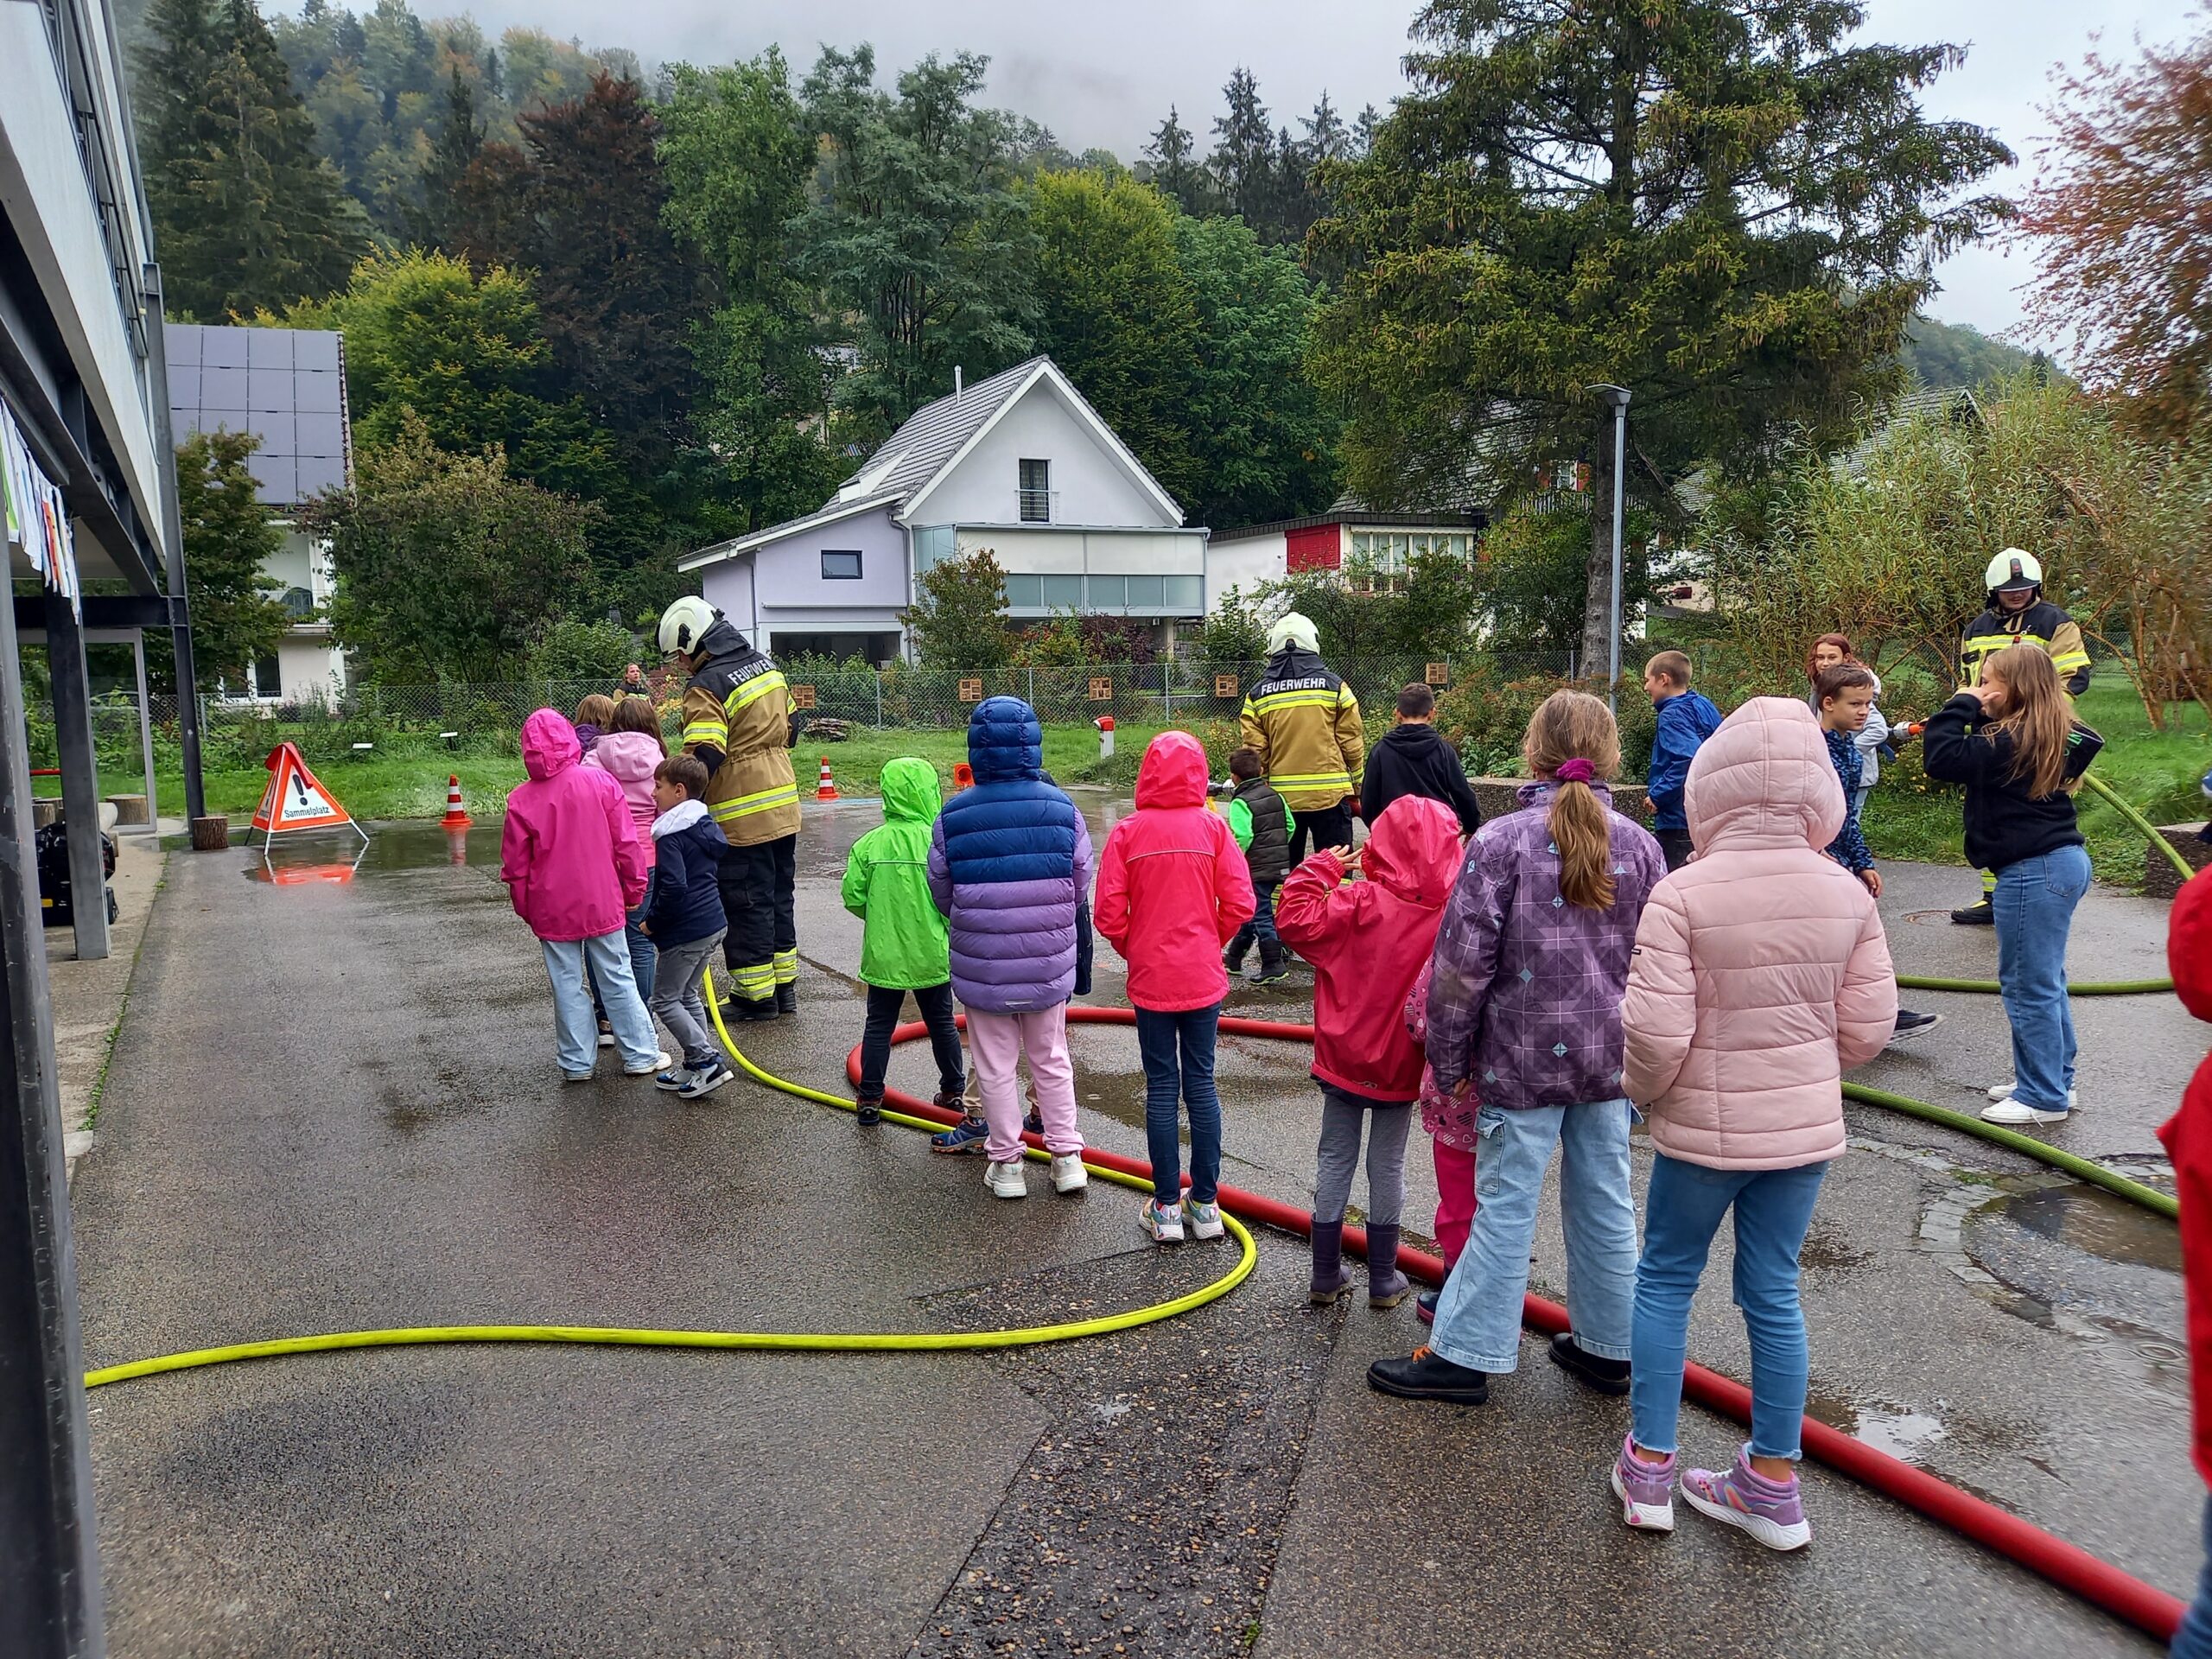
[[287, 386], [933, 434]]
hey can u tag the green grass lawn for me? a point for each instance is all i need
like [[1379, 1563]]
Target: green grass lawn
[[2157, 772]]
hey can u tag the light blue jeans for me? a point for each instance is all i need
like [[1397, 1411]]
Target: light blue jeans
[[1682, 1211], [1479, 1318], [2034, 904], [575, 1030], [644, 955]]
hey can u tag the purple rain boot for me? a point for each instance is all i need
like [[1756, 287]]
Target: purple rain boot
[[1386, 1285], [1331, 1280]]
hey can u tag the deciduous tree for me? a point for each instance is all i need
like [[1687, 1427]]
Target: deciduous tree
[[1262, 441], [1118, 313], [2120, 221], [446, 566], [738, 154], [958, 617], [915, 232], [228, 537]]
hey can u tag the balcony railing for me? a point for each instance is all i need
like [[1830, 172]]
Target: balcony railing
[[1038, 507]]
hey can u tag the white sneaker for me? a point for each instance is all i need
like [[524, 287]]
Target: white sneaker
[[1068, 1173], [1006, 1181], [2017, 1112], [1163, 1221], [659, 1062], [1204, 1219], [2004, 1091]]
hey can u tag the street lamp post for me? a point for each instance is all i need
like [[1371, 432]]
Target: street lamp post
[[1617, 397]]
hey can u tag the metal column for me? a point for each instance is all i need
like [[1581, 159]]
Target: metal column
[[81, 777], [187, 687], [50, 1593]]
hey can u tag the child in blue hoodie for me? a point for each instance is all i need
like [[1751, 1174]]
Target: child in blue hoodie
[[1686, 720], [684, 920]]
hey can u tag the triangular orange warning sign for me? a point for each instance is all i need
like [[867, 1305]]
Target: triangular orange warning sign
[[294, 799]]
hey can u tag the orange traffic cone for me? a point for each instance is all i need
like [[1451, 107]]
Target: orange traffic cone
[[456, 816], [827, 789], [963, 776]]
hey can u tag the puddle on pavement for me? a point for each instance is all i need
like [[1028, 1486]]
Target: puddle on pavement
[[2083, 1259], [1905, 1434]]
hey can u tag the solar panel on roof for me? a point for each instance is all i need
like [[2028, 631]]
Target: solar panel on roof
[[284, 386]]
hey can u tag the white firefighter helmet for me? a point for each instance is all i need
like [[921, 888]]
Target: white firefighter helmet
[[2013, 568], [684, 623]]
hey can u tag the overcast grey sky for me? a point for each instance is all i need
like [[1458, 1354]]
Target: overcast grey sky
[[1104, 73]]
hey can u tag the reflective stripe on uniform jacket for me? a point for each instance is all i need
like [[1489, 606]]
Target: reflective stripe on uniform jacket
[[1305, 723], [738, 707], [2042, 624]]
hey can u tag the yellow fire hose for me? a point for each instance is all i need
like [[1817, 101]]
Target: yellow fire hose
[[834, 1342]]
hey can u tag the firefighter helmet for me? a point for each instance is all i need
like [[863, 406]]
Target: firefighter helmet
[[2012, 571], [684, 623]]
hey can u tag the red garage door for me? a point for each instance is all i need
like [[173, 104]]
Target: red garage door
[[1316, 547]]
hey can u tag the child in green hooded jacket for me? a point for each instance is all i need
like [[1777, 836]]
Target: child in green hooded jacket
[[902, 944]]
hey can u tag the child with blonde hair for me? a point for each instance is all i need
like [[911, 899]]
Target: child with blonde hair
[[1524, 1010]]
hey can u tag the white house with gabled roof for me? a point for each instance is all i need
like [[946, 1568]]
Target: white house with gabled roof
[[1019, 464]]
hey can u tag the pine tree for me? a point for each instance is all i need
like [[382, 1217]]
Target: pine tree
[[246, 215], [1176, 171], [1243, 162], [617, 297], [461, 140]]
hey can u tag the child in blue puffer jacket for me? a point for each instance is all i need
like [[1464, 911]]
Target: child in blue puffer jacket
[[685, 921]]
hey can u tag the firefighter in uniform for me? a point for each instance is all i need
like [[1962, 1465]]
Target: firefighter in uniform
[[1304, 720], [737, 719], [2018, 615]]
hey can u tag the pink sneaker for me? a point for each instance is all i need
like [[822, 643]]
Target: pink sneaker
[[1645, 1490], [1769, 1509]]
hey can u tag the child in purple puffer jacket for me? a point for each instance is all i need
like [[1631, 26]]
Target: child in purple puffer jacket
[[1009, 865], [1524, 1009]]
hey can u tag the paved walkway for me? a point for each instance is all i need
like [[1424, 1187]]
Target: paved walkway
[[334, 1105]]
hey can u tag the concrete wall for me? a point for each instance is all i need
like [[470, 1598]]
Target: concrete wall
[[789, 570], [728, 587], [308, 667], [1245, 563], [1089, 486]]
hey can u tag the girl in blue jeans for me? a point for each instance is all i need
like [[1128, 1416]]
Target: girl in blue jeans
[[1761, 974], [1524, 1014], [2013, 741]]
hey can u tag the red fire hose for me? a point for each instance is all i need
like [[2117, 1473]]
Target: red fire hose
[[2067, 1565]]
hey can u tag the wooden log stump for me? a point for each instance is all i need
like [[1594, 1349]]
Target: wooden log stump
[[210, 835], [129, 809], [45, 811]]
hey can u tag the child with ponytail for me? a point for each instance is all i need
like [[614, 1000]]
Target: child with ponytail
[[1524, 1014]]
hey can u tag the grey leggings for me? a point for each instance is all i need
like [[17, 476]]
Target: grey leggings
[[1343, 1117]]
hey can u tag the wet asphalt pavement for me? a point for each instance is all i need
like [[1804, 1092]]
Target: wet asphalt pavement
[[334, 1105]]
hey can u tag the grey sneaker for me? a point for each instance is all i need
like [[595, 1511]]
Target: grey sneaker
[[1204, 1219], [673, 1079]]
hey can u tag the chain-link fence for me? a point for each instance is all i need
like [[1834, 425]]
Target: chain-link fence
[[458, 718]]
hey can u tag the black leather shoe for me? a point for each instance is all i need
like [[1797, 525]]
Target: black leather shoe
[[1607, 1376], [787, 999], [1979, 914], [1428, 1376], [752, 1009]]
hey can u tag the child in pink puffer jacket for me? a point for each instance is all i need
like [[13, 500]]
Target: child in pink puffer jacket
[[1761, 974]]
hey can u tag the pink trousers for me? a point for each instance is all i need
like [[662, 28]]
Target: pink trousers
[[1455, 1198], [998, 1041]]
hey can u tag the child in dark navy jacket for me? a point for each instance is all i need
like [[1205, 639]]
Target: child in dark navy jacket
[[685, 921]]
